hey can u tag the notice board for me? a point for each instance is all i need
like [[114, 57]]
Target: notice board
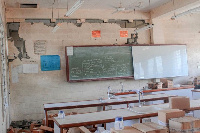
[[50, 62], [87, 63]]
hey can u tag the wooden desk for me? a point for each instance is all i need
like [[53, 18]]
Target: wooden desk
[[95, 103], [109, 116], [155, 90]]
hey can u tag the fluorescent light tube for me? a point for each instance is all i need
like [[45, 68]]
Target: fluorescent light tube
[[56, 27], [144, 28], [184, 13], [74, 7]]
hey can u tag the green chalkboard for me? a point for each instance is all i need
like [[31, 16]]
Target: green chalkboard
[[99, 62]]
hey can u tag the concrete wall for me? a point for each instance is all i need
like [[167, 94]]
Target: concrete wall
[[183, 30], [33, 90]]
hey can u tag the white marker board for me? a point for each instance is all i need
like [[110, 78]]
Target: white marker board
[[159, 61]]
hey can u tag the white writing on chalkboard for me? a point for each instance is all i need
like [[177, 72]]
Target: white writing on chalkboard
[[100, 62]]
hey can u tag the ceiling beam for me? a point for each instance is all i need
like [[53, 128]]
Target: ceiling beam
[[47, 13], [174, 6]]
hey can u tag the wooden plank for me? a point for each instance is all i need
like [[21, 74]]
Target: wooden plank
[[84, 129]]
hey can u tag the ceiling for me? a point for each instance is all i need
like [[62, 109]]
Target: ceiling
[[142, 5]]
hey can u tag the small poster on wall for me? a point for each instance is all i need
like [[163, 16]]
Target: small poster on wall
[[40, 47], [124, 33], [50, 62], [96, 33], [30, 68]]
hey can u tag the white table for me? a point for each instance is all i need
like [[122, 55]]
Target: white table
[[106, 102], [109, 116]]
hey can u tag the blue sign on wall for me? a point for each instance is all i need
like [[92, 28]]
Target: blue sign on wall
[[50, 62]]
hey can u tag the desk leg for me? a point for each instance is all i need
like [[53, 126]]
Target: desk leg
[[140, 120], [105, 126], [104, 107], [61, 130], [166, 101], [46, 118]]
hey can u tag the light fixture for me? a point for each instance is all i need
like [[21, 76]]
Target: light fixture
[[185, 13], [74, 7], [144, 28], [134, 35], [56, 27]]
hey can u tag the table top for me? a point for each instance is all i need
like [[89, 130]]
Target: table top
[[156, 90], [109, 116], [196, 90], [90, 103]]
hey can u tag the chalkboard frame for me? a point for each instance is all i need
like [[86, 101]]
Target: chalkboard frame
[[103, 79], [96, 79]]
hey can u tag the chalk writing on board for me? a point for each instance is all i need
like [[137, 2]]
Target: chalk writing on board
[[100, 62], [39, 47], [96, 67]]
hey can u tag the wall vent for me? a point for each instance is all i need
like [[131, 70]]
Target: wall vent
[[28, 5]]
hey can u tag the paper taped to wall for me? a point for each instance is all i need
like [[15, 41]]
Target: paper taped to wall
[[69, 51], [30, 68], [40, 47], [19, 69]]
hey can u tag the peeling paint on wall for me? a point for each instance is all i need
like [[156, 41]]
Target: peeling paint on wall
[[19, 43], [12, 50]]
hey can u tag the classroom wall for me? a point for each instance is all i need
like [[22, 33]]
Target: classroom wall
[[33, 90], [183, 30]]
